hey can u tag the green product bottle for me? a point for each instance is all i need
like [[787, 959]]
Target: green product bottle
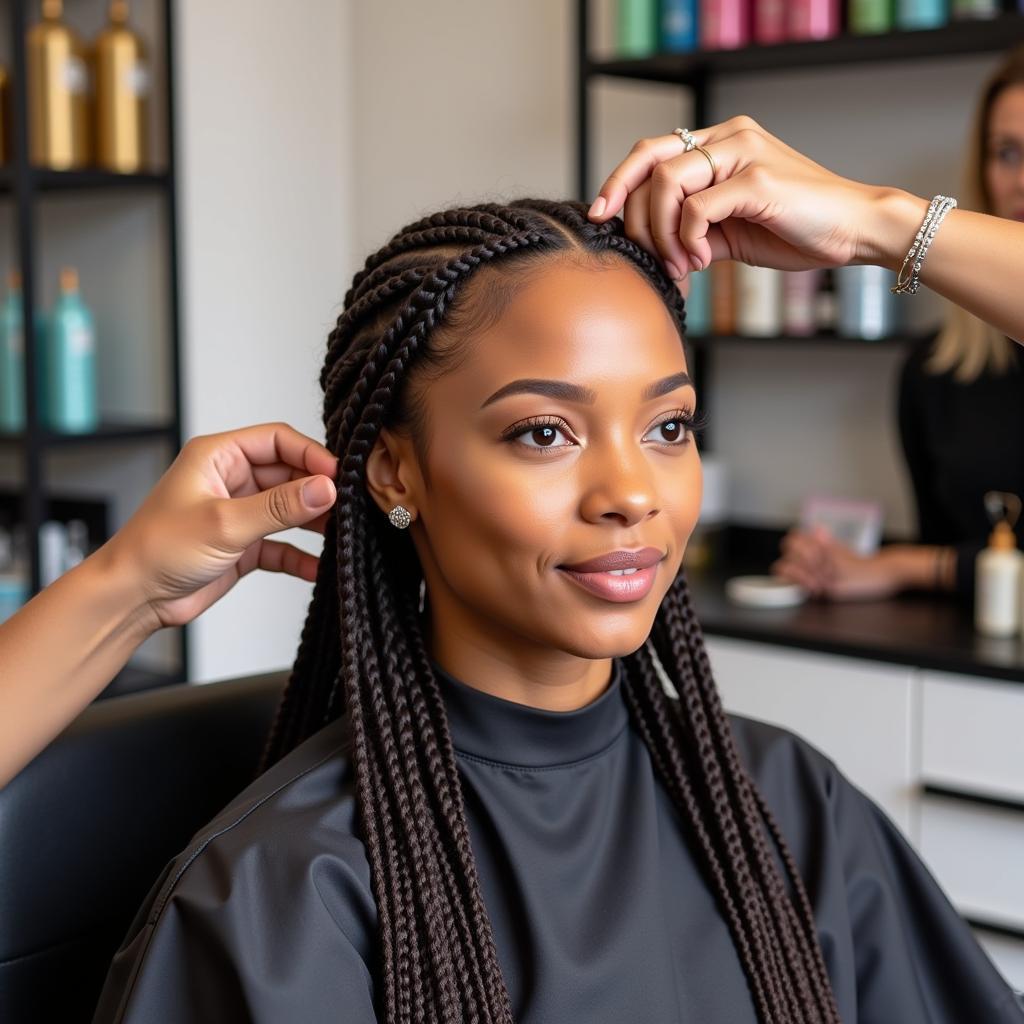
[[870, 16], [637, 24]]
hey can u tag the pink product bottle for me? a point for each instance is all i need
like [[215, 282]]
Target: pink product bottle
[[799, 302], [813, 19], [770, 22], [725, 24]]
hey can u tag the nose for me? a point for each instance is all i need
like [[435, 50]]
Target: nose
[[620, 486]]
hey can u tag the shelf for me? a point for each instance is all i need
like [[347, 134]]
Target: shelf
[[88, 180], [823, 340], [106, 433], [965, 38]]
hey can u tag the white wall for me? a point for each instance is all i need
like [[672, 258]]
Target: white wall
[[266, 208]]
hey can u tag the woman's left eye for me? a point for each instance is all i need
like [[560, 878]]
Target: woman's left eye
[[538, 435], [675, 431]]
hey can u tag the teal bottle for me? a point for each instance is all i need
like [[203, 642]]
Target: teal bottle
[[870, 16], [71, 361], [921, 13], [12, 359], [698, 304]]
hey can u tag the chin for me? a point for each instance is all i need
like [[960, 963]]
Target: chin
[[610, 642]]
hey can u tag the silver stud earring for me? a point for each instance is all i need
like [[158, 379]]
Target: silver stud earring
[[400, 517]]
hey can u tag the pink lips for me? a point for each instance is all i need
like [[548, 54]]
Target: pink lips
[[595, 574]]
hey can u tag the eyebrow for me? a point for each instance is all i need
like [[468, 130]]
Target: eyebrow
[[570, 392]]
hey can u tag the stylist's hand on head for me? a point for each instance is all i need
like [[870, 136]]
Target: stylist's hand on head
[[207, 522], [203, 527], [764, 204]]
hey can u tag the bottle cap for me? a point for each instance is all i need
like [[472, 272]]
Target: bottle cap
[[53, 9], [1002, 538], [14, 280], [118, 11], [68, 279]]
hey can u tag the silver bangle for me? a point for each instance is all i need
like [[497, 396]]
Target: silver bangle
[[937, 210]]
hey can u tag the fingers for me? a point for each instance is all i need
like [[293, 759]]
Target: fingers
[[646, 154], [279, 556], [234, 454], [241, 521]]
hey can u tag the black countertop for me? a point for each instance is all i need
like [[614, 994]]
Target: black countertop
[[927, 631]]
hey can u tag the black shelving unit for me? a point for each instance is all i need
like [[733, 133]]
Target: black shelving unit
[[696, 71], [24, 185]]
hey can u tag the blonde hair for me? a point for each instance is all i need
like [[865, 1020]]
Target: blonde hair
[[966, 345]]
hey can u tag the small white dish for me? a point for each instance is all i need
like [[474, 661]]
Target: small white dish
[[764, 592]]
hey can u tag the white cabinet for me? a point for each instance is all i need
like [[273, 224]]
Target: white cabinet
[[858, 712]]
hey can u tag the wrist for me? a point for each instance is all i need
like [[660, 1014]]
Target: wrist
[[889, 226], [117, 577], [917, 566]]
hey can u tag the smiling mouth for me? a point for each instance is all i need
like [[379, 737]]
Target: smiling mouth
[[618, 586]]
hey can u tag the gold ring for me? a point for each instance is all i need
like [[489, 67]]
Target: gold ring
[[711, 160]]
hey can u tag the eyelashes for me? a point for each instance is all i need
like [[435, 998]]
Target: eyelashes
[[691, 422]]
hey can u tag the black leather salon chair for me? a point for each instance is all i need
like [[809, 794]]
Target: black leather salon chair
[[88, 826]]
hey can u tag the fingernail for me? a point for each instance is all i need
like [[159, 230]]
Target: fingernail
[[317, 492], [598, 206], [673, 270], [696, 263]]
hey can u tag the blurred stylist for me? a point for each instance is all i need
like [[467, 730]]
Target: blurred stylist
[[201, 529], [734, 191], [961, 406]]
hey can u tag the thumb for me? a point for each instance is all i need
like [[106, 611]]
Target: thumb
[[279, 508]]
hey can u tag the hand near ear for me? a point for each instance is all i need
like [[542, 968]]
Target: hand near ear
[[205, 524]]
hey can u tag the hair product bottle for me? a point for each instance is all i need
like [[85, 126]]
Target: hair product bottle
[[122, 88], [637, 25], [869, 16], [5, 116], [813, 19], [975, 8], [58, 93], [723, 297], [698, 303], [921, 13], [997, 574], [678, 25], [725, 24], [867, 308], [799, 293], [759, 301], [72, 360], [769, 22], [12, 359]]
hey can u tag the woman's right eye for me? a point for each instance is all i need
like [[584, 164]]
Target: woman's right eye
[[539, 436]]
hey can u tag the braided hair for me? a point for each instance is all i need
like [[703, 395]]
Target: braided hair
[[363, 654]]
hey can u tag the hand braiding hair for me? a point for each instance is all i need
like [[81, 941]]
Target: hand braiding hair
[[362, 654]]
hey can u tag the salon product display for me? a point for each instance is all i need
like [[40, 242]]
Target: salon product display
[[88, 106], [998, 570], [759, 302], [71, 361], [646, 27]]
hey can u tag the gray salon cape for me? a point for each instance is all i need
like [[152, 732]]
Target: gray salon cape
[[599, 908]]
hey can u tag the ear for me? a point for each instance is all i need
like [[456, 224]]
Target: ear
[[390, 472]]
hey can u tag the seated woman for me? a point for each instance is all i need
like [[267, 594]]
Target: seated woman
[[500, 784], [961, 407]]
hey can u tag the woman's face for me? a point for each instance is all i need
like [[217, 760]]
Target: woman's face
[[559, 439], [1004, 163]]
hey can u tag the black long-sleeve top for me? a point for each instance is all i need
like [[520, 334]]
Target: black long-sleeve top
[[600, 910], [960, 440]]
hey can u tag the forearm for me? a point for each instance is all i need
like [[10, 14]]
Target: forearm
[[975, 260], [921, 566], [62, 648]]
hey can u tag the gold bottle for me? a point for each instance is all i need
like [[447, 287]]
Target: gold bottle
[[122, 86], [58, 93]]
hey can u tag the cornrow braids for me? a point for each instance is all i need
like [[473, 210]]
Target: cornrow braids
[[362, 652]]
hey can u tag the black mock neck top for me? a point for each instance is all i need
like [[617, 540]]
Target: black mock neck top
[[600, 909]]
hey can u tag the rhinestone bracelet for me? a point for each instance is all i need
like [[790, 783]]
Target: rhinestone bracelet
[[937, 210]]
